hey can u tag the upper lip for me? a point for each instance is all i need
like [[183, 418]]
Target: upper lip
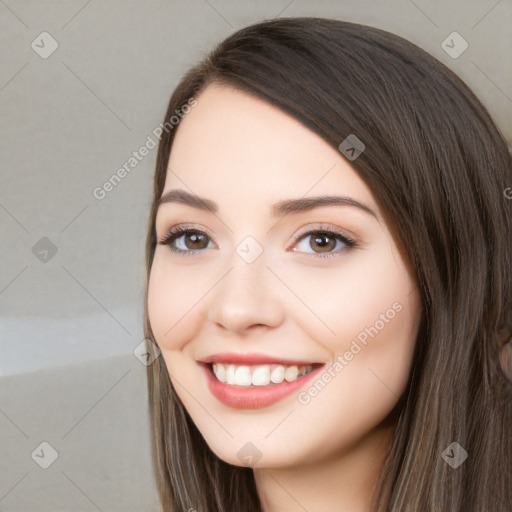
[[254, 359]]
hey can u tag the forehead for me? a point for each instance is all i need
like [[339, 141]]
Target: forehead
[[235, 144]]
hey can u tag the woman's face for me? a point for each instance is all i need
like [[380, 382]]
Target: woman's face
[[312, 336]]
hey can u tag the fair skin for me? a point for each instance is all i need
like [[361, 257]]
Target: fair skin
[[319, 450]]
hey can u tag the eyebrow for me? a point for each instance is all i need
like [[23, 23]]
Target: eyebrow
[[281, 208]]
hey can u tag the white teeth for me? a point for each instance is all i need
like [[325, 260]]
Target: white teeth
[[220, 371], [243, 376], [230, 374], [260, 375], [277, 375], [291, 373]]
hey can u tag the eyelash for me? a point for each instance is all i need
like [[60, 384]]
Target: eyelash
[[177, 232]]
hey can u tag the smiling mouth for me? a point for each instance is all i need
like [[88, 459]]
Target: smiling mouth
[[259, 375], [253, 381]]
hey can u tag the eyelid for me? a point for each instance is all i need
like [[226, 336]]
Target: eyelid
[[321, 227], [187, 226]]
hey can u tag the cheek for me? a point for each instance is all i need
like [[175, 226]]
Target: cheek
[[373, 372], [173, 300]]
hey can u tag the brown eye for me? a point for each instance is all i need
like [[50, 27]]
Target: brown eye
[[186, 240], [195, 240], [323, 241]]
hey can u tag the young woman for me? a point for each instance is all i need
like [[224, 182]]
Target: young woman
[[329, 280]]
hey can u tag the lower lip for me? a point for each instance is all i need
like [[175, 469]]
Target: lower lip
[[253, 397]]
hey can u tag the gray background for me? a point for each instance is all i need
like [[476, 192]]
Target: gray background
[[70, 321]]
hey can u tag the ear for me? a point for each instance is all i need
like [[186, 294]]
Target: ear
[[505, 354]]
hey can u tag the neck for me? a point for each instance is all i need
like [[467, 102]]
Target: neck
[[345, 481]]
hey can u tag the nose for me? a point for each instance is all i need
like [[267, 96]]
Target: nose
[[246, 298]]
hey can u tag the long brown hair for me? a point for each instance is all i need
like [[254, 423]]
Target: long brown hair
[[438, 167]]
